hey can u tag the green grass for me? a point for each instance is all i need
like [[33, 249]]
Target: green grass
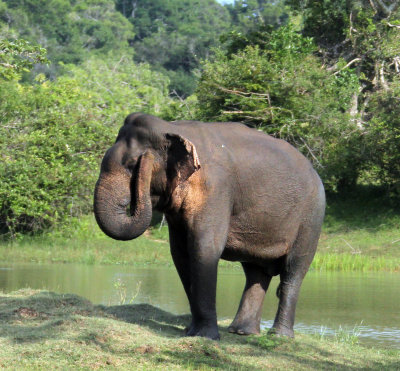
[[44, 330], [354, 263], [361, 233], [83, 242]]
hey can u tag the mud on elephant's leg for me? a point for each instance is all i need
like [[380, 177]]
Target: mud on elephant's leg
[[248, 317]]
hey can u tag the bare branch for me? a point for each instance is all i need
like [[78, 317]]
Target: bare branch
[[311, 152], [352, 29], [392, 25], [118, 63], [373, 5], [233, 112], [7, 65], [382, 77], [396, 61], [348, 65], [242, 93], [353, 250], [183, 101]]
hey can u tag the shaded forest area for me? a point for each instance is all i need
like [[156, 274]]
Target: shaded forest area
[[323, 75]]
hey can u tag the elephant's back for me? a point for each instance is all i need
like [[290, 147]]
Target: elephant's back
[[249, 150]]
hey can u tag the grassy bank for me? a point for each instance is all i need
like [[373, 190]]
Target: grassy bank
[[47, 330], [360, 233]]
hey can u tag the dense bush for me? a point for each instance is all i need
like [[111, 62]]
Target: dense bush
[[383, 135], [175, 35], [53, 135], [69, 30], [18, 56], [279, 86]]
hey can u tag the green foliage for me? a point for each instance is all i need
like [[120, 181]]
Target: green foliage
[[53, 135], [362, 33], [325, 20], [18, 56], [278, 85], [383, 134], [249, 14], [364, 36], [270, 341], [175, 35], [69, 30], [342, 335]]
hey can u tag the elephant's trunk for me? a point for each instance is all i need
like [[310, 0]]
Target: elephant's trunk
[[115, 190]]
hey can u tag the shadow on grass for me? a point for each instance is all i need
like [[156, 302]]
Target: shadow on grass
[[362, 208], [29, 316], [153, 318]]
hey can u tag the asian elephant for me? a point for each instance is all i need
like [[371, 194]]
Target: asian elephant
[[228, 192]]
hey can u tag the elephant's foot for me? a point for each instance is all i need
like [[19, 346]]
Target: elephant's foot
[[248, 328], [204, 330], [281, 331]]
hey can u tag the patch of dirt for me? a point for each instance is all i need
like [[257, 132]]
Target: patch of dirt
[[100, 339], [29, 313], [145, 349], [84, 313]]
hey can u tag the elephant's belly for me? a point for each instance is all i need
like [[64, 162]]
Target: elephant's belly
[[254, 247], [259, 240]]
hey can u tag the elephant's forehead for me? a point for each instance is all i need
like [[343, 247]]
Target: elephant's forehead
[[136, 137]]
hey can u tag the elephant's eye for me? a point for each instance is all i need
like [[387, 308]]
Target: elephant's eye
[[131, 164]]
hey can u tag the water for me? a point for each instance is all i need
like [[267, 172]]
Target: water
[[368, 301]]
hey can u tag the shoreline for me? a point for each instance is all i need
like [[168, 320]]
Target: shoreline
[[147, 251], [41, 329]]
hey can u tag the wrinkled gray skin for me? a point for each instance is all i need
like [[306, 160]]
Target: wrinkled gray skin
[[228, 192]]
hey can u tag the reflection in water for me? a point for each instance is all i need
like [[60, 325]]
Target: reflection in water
[[369, 301]]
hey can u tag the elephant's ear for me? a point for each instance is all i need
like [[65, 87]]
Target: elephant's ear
[[183, 160]]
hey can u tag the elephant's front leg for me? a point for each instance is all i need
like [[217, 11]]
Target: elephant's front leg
[[205, 250], [180, 256]]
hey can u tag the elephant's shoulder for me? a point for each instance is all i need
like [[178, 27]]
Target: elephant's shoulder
[[191, 195]]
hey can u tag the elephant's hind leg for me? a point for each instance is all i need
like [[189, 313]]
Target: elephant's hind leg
[[294, 269], [248, 317]]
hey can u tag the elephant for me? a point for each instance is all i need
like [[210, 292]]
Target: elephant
[[228, 191]]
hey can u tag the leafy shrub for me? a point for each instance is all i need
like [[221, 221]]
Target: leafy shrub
[[279, 86], [17, 56], [383, 135], [53, 135]]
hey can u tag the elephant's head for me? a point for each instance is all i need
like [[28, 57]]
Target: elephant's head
[[139, 172]]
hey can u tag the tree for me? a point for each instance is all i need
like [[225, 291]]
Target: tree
[[175, 35], [250, 14], [19, 56], [363, 37], [69, 30], [279, 86]]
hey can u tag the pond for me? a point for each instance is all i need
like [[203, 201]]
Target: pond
[[368, 303]]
